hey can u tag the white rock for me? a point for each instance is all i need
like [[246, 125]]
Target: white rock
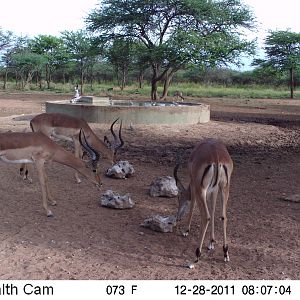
[[121, 170], [114, 200], [160, 223], [163, 187]]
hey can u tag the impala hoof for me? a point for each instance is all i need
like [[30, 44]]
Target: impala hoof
[[226, 259], [211, 245], [50, 214], [226, 255]]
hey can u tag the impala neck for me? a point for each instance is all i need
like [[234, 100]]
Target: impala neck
[[64, 157], [184, 200]]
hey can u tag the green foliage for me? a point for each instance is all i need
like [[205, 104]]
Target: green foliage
[[283, 54], [26, 64], [121, 55], [283, 49], [175, 33], [5, 38]]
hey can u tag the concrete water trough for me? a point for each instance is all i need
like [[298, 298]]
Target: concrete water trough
[[104, 110]]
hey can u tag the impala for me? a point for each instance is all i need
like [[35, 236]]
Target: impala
[[35, 147], [65, 127], [178, 95], [210, 167]]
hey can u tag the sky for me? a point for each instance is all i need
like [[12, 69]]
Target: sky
[[34, 17]]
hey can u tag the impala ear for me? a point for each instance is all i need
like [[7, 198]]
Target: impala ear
[[107, 142]]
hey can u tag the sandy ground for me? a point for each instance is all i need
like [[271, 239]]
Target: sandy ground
[[87, 241]]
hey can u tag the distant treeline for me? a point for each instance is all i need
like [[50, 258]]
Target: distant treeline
[[105, 73]]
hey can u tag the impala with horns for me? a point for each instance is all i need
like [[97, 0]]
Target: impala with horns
[[210, 167], [35, 147], [65, 127]]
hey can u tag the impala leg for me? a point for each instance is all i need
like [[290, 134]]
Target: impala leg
[[225, 195], [78, 153], [204, 221], [43, 181], [24, 172], [49, 195], [212, 202], [192, 206]]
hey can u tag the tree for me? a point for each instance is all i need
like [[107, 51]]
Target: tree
[[176, 32], [50, 47], [81, 48], [26, 64], [6, 42], [13, 45], [5, 39], [283, 54], [121, 56]]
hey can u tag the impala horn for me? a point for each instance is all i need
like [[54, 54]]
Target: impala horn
[[118, 141], [94, 155]]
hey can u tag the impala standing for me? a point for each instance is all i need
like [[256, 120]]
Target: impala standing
[[210, 167], [65, 127], [35, 147]]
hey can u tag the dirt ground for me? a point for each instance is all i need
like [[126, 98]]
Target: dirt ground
[[87, 241]]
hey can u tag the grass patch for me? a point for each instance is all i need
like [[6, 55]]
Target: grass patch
[[188, 90]]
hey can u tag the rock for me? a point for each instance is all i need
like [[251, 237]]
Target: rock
[[189, 266], [292, 198], [160, 223], [163, 187], [114, 200], [121, 170]]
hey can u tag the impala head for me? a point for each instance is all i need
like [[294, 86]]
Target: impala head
[[117, 143], [93, 154], [184, 196]]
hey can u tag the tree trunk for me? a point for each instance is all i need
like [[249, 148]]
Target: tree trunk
[[154, 94], [16, 77], [64, 78], [154, 82], [167, 82], [5, 78], [91, 77], [48, 76], [141, 78], [292, 82], [123, 83], [81, 77]]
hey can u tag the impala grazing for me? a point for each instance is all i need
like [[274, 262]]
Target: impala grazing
[[35, 147], [210, 167], [65, 127], [178, 95]]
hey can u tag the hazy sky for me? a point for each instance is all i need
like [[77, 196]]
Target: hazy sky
[[34, 17]]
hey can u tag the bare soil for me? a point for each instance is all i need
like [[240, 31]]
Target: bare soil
[[87, 241]]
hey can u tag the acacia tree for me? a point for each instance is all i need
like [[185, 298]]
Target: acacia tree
[[7, 41], [26, 64], [282, 54], [16, 46], [121, 56], [82, 49], [49, 46], [176, 32]]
